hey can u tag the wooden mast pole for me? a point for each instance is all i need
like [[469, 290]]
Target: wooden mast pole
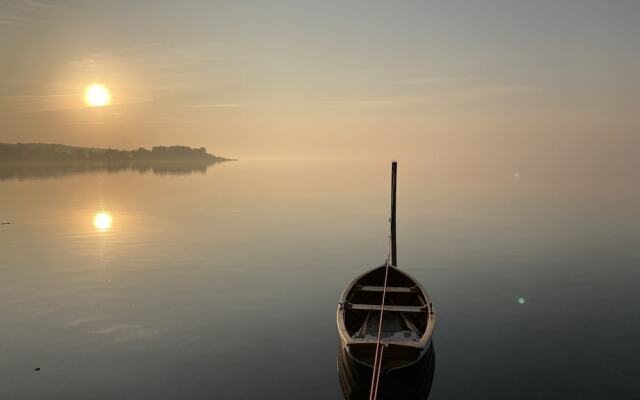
[[394, 182]]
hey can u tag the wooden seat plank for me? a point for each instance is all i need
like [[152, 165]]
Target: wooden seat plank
[[377, 307], [390, 289]]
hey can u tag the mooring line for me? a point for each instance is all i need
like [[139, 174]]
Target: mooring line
[[377, 360]]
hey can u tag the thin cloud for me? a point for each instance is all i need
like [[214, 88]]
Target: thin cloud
[[218, 105], [376, 101], [158, 120], [34, 96], [36, 14], [128, 49]]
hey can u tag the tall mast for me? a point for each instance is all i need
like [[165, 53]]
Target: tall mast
[[394, 182]]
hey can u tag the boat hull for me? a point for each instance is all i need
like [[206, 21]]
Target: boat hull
[[401, 356], [410, 382]]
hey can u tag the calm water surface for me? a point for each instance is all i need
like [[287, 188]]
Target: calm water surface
[[223, 285]]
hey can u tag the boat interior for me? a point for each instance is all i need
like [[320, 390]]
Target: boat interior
[[406, 312]]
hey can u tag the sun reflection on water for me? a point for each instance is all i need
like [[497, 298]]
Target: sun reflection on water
[[102, 221]]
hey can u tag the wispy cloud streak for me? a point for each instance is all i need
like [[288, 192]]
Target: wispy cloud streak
[[217, 105]]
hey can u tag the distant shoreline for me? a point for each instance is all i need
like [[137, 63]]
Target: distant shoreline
[[38, 160], [45, 153], [114, 162]]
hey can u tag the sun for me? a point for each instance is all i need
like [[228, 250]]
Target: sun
[[97, 95]]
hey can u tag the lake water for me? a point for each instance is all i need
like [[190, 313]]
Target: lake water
[[223, 285]]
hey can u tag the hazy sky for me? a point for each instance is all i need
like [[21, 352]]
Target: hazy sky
[[517, 81]]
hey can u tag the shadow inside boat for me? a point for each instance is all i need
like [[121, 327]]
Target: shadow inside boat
[[407, 383]]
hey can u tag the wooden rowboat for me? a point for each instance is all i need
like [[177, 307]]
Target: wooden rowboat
[[407, 323], [407, 313]]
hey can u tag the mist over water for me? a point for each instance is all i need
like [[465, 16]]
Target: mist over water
[[224, 284]]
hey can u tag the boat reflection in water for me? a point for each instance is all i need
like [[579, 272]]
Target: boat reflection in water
[[407, 383]]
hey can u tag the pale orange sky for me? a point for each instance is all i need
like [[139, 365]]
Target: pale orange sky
[[514, 82]]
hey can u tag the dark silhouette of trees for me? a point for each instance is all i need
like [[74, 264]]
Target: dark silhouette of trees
[[40, 152], [38, 160]]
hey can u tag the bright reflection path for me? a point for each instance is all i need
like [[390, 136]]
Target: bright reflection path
[[102, 221]]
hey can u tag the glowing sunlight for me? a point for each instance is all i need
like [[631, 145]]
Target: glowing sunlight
[[102, 221], [97, 95]]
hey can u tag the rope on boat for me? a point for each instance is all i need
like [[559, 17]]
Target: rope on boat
[[391, 260], [377, 361]]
